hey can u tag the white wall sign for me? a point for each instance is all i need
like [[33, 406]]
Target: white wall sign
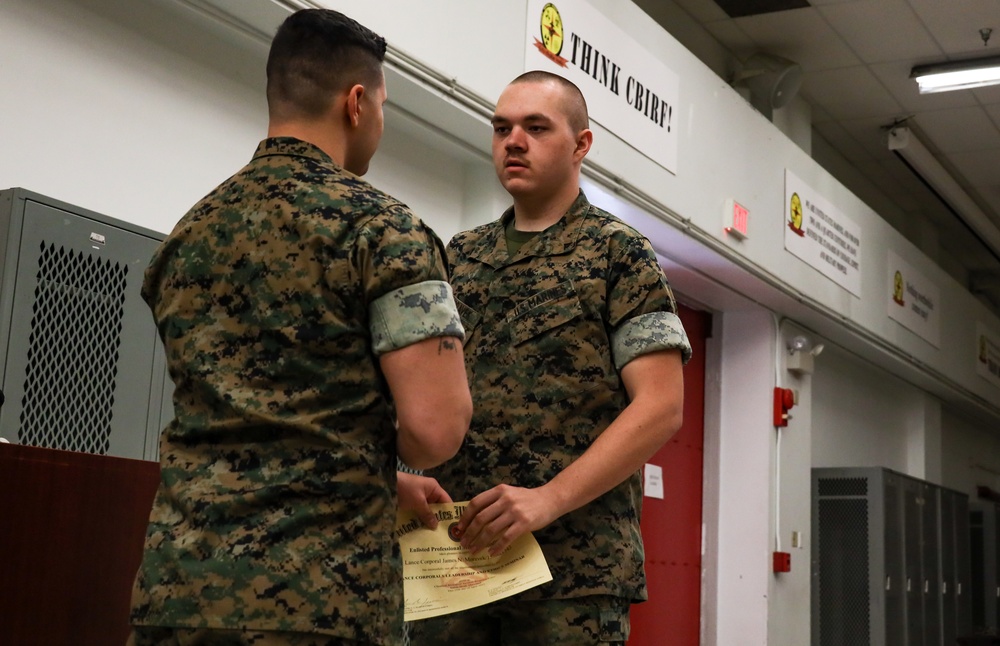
[[653, 481], [819, 234], [988, 355], [628, 90], [913, 300]]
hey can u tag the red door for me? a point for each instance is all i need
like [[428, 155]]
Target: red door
[[671, 528]]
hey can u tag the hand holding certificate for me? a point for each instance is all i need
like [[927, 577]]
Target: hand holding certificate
[[440, 576]]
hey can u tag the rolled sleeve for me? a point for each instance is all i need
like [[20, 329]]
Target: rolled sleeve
[[413, 313], [649, 333]]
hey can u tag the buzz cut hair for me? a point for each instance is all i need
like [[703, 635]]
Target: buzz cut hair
[[575, 106], [315, 54]]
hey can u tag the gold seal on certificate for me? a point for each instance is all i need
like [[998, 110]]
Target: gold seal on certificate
[[440, 576]]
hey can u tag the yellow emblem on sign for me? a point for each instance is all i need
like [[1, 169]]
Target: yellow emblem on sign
[[552, 29], [552, 34]]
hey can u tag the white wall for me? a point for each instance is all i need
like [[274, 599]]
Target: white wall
[[860, 414], [737, 605], [971, 455], [102, 116], [423, 172]]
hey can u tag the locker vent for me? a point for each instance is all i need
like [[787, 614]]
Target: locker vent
[[76, 329], [843, 571], [843, 486]]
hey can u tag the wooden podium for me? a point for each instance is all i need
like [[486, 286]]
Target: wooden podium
[[71, 532]]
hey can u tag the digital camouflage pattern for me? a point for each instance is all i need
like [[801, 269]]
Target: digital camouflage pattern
[[547, 331], [554, 622], [277, 500]]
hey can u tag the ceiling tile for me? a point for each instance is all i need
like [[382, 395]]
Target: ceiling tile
[[702, 10], [819, 114], [959, 129], [955, 24], [993, 111], [849, 93], [732, 37], [988, 95], [881, 30], [802, 36]]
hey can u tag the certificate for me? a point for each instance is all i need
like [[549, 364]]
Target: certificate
[[440, 576]]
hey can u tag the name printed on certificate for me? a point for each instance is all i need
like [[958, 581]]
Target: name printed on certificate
[[440, 576]]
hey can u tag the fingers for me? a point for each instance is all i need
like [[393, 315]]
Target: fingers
[[493, 519], [417, 493], [437, 495], [427, 517]]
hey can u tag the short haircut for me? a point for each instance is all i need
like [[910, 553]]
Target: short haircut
[[575, 107], [315, 54]]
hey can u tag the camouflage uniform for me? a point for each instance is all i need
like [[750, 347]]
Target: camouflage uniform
[[548, 331], [274, 296]]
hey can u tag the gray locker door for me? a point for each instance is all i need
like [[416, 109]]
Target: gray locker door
[[993, 543], [930, 525], [913, 533], [79, 368], [963, 567], [949, 604], [895, 578], [842, 615]]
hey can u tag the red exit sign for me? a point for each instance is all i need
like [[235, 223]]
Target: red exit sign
[[737, 220]]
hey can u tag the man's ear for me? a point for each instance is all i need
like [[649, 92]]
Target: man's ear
[[583, 142], [353, 105]]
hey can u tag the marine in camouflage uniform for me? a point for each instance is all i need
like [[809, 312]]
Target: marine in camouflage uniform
[[279, 297], [549, 329], [277, 501]]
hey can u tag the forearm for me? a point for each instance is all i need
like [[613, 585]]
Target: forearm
[[623, 448], [655, 386]]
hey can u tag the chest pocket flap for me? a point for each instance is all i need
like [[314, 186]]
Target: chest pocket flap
[[546, 310]]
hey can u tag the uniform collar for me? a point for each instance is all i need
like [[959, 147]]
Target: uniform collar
[[290, 146], [558, 239]]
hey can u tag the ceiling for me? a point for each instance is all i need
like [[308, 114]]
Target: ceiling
[[856, 57]]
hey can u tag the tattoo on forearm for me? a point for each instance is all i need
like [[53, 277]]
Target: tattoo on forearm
[[446, 344]]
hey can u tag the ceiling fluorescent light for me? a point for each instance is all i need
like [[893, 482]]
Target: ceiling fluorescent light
[[957, 75]]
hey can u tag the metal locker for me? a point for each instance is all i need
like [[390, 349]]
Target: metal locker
[[949, 567], [82, 367], [963, 574], [889, 559], [985, 565]]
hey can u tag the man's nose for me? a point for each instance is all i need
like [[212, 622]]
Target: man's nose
[[516, 139]]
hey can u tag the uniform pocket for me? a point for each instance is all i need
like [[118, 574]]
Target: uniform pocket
[[559, 347], [544, 311]]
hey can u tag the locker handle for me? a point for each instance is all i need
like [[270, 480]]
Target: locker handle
[[958, 589], [909, 585], [888, 582], [944, 587], [927, 586]]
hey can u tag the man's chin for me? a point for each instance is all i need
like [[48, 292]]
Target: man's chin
[[516, 186]]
